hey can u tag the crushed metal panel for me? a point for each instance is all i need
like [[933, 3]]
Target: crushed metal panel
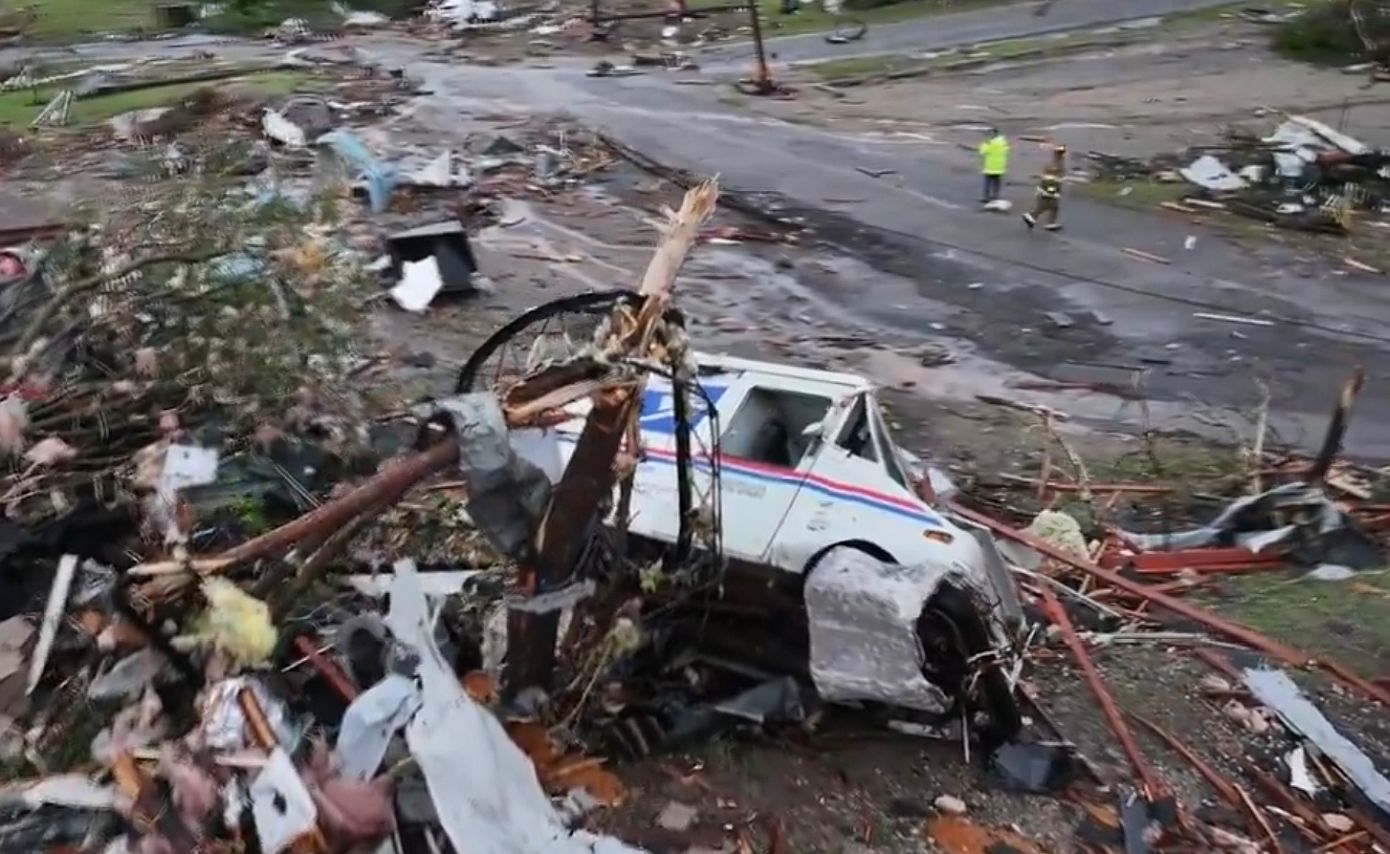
[[1318, 513], [863, 627], [1000, 577]]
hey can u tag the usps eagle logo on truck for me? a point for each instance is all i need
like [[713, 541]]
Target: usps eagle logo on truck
[[658, 408]]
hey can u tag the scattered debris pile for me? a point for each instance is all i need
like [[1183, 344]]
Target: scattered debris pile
[[1304, 175]]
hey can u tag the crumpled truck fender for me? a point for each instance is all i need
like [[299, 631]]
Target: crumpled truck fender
[[863, 617]]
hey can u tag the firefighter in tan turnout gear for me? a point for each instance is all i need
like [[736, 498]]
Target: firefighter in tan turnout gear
[[1048, 206]]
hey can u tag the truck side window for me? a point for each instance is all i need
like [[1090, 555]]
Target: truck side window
[[769, 426], [857, 436]]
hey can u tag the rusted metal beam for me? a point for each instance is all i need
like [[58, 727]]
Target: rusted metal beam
[[384, 488], [1217, 560], [1223, 787], [1234, 631], [1153, 788]]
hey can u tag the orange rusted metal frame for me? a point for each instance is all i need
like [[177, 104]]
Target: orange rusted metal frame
[[1223, 560], [1313, 825], [1225, 788], [1153, 788], [1234, 631]]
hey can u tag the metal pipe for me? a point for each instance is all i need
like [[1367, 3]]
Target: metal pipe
[[1153, 789], [1235, 631]]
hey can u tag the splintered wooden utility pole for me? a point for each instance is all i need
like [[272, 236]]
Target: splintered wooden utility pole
[[589, 476]]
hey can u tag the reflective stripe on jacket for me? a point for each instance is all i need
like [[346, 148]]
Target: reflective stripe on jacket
[[994, 152], [1050, 187]]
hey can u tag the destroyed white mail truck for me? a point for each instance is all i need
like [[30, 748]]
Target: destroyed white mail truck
[[811, 485]]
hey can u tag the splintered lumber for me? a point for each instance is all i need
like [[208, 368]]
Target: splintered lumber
[[1226, 628], [150, 810], [589, 474], [1312, 823], [1337, 427]]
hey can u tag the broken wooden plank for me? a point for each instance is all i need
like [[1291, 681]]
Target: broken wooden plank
[[1232, 318], [590, 475]]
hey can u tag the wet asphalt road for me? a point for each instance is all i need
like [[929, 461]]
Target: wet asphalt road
[[989, 283], [936, 267]]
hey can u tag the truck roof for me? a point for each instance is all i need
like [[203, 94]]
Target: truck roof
[[775, 369]]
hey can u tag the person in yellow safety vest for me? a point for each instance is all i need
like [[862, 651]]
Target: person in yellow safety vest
[[1049, 198], [994, 163]]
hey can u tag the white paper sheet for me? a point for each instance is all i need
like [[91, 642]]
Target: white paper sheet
[[280, 804], [419, 283]]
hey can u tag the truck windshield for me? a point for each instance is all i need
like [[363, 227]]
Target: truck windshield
[[891, 463], [857, 436]]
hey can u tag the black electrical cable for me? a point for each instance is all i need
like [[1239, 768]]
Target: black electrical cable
[[681, 419]]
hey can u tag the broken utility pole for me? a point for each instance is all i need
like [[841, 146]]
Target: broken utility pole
[[589, 477]]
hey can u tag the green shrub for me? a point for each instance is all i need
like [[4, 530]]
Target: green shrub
[[1325, 33], [251, 16]]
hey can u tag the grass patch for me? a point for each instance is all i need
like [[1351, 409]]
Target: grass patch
[[813, 19], [1348, 620], [75, 20], [1137, 194], [1170, 460], [862, 66], [1325, 34], [18, 109], [1002, 51], [69, 20]]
